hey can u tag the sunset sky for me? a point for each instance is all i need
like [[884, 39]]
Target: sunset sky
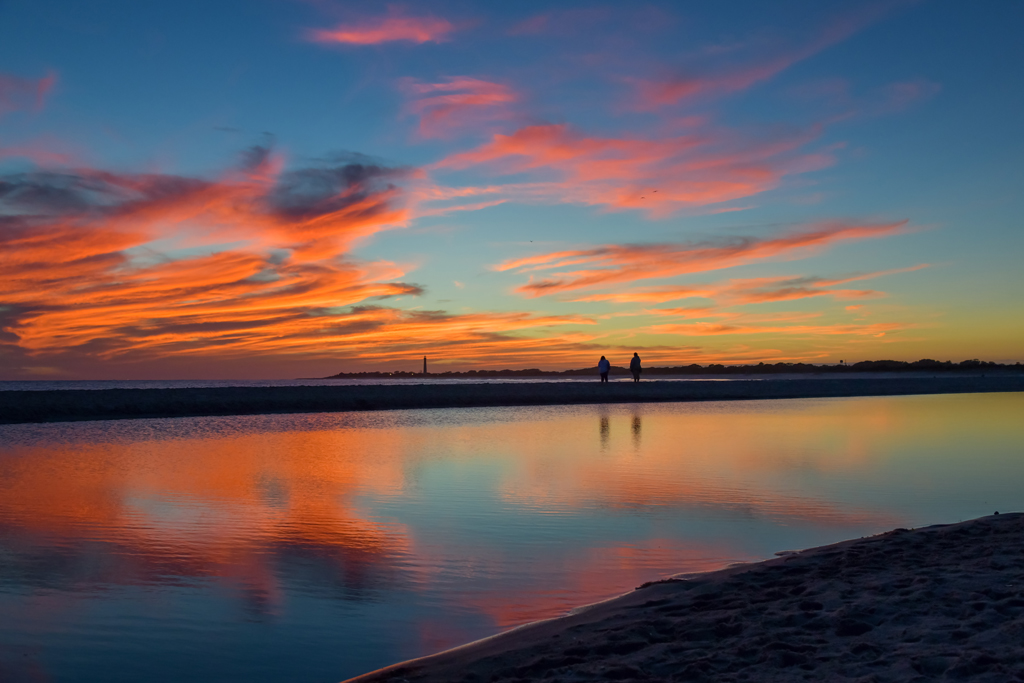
[[286, 188]]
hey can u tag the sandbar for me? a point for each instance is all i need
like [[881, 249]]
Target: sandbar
[[943, 602], [115, 404]]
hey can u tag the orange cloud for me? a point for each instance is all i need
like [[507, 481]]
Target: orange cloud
[[618, 264], [457, 103], [697, 166], [704, 329], [749, 291], [80, 265], [24, 93], [656, 175], [785, 288], [653, 295], [96, 266], [393, 27], [309, 210]]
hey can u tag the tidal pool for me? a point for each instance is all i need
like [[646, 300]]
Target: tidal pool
[[317, 547]]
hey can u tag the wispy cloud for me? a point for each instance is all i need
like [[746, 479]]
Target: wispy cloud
[[37, 151], [24, 93], [837, 97], [788, 288], [394, 26], [651, 295], [659, 175], [701, 329], [619, 264], [763, 63], [457, 104], [900, 95]]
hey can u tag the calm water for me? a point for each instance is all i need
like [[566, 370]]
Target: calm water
[[317, 547]]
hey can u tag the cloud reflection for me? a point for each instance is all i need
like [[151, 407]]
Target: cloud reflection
[[175, 511], [488, 520]]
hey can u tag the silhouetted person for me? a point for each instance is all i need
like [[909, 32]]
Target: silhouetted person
[[603, 366], [634, 367]]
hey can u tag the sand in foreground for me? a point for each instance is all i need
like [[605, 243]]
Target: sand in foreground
[[937, 603]]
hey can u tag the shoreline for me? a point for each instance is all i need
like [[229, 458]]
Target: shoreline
[[117, 404], [935, 603]]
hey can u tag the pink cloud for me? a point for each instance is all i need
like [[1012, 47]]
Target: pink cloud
[[656, 175], [532, 26], [24, 93], [457, 104], [651, 94], [899, 96], [654, 94], [395, 26], [838, 96], [39, 152], [618, 264]]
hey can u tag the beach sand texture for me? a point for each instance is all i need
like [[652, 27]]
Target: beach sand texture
[[932, 604], [112, 404]]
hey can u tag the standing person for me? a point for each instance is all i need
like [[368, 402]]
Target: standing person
[[603, 366], [634, 367]]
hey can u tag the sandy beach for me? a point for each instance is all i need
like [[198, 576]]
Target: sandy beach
[[111, 404], [938, 603]]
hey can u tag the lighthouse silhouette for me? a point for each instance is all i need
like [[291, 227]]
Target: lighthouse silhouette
[[424, 365]]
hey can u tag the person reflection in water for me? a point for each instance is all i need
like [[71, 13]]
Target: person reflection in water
[[603, 366], [634, 367], [605, 430], [637, 426]]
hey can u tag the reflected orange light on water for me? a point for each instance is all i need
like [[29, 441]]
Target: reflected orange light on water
[[210, 507], [482, 519], [690, 460]]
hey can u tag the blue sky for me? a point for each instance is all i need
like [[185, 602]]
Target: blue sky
[[524, 185]]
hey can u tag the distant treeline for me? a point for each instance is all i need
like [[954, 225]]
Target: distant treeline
[[924, 365]]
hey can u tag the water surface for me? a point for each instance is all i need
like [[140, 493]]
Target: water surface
[[316, 547]]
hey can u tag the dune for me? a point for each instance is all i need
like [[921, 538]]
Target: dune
[[111, 404], [937, 603]]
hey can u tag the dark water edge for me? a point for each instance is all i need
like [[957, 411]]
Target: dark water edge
[[117, 404]]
